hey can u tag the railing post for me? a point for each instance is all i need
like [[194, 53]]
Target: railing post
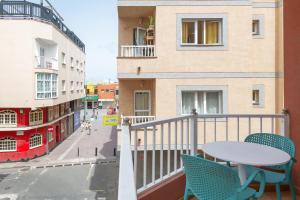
[[286, 123], [126, 188], [194, 133]]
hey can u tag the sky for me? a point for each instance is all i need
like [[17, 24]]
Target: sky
[[95, 23]]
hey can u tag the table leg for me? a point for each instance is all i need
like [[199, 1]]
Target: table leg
[[242, 173]]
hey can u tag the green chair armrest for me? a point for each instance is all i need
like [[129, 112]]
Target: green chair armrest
[[251, 178]]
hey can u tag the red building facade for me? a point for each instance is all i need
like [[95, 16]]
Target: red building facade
[[26, 134]]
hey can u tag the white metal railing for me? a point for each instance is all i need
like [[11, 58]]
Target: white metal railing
[[131, 51], [137, 119], [156, 146], [46, 62]]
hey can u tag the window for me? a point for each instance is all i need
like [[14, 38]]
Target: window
[[63, 59], [255, 27], [50, 114], [35, 141], [46, 86], [258, 96], [205, 102], [117, 92], [255, 97], [36, 117], [8, 144], [62, 109], [8, 118], [258, 26], [72, 86], [49, 136], [63, 85], [201, 32], [72, 62], [56, 112]]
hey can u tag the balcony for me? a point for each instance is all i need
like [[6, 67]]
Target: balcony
[[46, 62], [150, 164], [136, 32], [137, 51], [27, 10]]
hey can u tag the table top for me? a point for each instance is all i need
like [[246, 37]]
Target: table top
[[246, 153]]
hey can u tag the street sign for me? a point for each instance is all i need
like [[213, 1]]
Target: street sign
[[111, 120]]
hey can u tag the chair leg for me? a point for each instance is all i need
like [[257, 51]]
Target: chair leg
[[278, 192], [186, 194], [292, 188]]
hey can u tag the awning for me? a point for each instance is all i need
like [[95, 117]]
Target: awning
[[90, 98]]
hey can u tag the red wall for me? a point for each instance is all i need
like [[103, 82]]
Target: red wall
[[292, 74], [23, 152]]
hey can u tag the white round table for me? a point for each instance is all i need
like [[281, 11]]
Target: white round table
[[243, 154]]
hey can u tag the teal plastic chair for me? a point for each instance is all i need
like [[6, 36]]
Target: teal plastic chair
[[207, 180], [273, 177]]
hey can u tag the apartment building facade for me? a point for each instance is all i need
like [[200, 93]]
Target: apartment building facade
[[42, 77], [108, 94], [219, 57], [91, 97]]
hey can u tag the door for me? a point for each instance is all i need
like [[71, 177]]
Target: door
[[142, 103], [57, 134], [139, 35]]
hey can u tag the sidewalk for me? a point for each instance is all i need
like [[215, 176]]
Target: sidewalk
[[102, 138]]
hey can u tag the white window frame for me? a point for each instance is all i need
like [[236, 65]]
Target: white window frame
[[8, 142], [204, 20], [50, 136], [53, 93], [37, 140], [196, 92], [50, 114], [145, 91], [36, 114], [11, 114]]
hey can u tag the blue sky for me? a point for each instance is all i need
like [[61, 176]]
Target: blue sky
[[95, 23]]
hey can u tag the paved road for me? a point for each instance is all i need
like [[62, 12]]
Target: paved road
[[96, 181], [83, 180]]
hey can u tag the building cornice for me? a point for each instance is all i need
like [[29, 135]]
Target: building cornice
[[200, 75], [200, 3]]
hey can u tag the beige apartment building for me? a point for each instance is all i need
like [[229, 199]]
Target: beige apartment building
[[42, 80], [220, 57]]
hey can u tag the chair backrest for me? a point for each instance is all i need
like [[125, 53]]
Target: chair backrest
[[273, 140], [209, 180]]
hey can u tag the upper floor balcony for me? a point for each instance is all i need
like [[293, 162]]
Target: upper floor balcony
[[150, 163], [137, 32], [27, 10]]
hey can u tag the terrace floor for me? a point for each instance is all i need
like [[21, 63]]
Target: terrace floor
[[270, 196]]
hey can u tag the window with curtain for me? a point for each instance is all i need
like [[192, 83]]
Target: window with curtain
[[205, 102], [202, 32]]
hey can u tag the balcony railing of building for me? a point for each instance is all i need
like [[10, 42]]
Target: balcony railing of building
[[28, 10], [167, 139], [136, 51], [46, 62], [137, 119]]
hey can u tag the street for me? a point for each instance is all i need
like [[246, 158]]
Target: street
[[65, 174]]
